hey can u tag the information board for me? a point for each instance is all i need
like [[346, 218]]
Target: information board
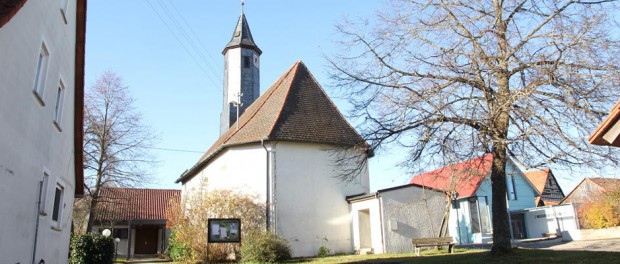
[[223, 230]]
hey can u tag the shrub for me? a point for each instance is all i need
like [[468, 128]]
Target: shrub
[[323, 250], [92, 248], [189, 220], [265, 248], [602, 211], [176, 250]]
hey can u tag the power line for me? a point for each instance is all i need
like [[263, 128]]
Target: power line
[[201, 44], [189, 38], [166, 149], [176, 150], [183, 45]]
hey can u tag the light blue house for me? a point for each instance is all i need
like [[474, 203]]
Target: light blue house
[[470, 216]]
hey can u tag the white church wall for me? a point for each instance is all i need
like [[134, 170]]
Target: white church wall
[[233, 75], [410, 212], [239, 168], [30, 142], [310, 201]]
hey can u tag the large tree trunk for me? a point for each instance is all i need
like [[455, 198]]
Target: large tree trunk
[[501, 228], [499, 135], [91, 217]]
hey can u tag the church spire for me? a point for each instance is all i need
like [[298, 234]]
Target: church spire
[[242, 37], [241, 73]]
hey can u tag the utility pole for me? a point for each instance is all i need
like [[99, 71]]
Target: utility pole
[[238, 104]]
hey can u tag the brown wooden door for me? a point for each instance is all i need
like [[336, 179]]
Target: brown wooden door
[[146, 240]]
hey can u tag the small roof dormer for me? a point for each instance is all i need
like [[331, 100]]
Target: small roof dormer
[[242, 37]]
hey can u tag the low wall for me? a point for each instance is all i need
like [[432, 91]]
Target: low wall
[[591, 234]]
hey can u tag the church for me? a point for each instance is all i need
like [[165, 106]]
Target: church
[[280, 147]]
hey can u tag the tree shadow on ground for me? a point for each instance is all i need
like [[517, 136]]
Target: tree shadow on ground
[[518, 256]]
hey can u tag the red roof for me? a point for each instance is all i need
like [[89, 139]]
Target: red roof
[[295, 108], [123, 204], [598, 137], [465, 177], [538, 178]]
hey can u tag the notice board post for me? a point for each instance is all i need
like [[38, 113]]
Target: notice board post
[[223, 230]]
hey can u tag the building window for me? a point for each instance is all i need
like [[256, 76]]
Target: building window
[[41, 72], [121, 233], [60, 99], [58, 206], [256, 61], [246, 62], [43, 194], [475, 217], [485, 218], [510, 181]]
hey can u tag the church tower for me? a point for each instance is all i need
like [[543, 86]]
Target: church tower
[[241, 74]]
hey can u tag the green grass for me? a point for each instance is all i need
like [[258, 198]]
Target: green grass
[[475, 256]]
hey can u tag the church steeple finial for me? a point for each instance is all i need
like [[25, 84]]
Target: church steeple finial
[[242, 37]]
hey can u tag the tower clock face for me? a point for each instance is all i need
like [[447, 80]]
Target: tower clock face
[[256, 61]]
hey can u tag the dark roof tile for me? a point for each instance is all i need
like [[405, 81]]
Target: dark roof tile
[[295, 108], [242, 37]]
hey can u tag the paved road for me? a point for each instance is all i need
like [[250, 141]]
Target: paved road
[[590, 245]]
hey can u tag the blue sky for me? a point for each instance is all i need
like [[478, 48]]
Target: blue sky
[[180, 95], [176, 74]]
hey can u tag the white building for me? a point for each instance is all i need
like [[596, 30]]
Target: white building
[[284, 150], [387, 220], [137, 217], [41, 101]]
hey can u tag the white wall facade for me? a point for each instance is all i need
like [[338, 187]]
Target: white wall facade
[[550, 219], [397, 215], [373, 230], [31, 145], [409, 213], [232, 75], [308, 202], [240, 168]]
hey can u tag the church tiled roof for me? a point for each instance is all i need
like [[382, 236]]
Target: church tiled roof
[[295, 108], [242, 37], [124, 204]]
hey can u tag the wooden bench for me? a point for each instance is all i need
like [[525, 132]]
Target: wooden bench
[[432, 242]]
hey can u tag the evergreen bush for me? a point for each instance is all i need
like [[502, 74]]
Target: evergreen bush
[[265, 248], [92, 248]]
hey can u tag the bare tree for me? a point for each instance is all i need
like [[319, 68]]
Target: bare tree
[[522, 79], [116, 143]]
